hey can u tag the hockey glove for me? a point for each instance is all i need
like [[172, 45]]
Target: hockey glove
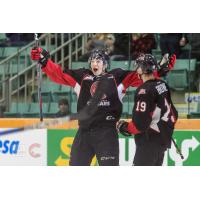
[[41, 55], [166, 65], [122, 127], [172, 61]]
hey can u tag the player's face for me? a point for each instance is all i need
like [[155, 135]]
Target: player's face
[[139, 70], [63, 107], [97, 67]]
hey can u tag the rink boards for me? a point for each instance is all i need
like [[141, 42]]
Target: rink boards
[[52, 146]]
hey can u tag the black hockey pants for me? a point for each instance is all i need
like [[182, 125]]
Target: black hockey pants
[[100, 141]]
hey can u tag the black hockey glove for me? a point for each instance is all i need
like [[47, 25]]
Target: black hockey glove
[[166, 64], [122, 127], [41, 55]]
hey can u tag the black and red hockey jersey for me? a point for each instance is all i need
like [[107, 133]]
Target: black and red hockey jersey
[[85, 83], [153, 112]]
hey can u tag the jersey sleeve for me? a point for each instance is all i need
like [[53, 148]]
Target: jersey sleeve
[[67, 77], [126, 77]]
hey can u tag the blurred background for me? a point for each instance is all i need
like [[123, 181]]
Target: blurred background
[[18, 76]]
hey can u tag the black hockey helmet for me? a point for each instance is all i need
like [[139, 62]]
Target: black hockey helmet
[[99, 54], [147, 62]]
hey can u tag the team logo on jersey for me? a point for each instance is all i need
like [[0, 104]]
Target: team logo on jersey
[[93, 89], [142, 91], [88, 77]]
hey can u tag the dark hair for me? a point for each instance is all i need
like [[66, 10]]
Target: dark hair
[[63, 101]]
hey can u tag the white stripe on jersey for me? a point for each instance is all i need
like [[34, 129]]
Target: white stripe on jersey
[[77, 89], [155, 119], [120, 89]]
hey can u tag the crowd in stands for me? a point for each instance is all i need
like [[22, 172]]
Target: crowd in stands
[[120, 47], [118, 44], [15, 39]]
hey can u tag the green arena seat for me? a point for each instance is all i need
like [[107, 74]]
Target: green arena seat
[[77, 65], [125, 108], [130, 94], [65, 88], [73, 97], [49, 86], [46, 96], [53, 107], [184, 64], [17, 109], [34, 110], [130, 108], [119, 64], [56, 96], [157, 54], [178, 79], [73, 107], [8, 51]]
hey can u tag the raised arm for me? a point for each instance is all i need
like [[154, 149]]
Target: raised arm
[[54, 71]]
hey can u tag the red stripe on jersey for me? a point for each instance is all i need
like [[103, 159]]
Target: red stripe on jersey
[[55, 73], [132, 79], [155, 73], [132, 128]]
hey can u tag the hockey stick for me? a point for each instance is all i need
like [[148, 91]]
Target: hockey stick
[[84, 114], [38, 125], [177, 149], [39, 79]]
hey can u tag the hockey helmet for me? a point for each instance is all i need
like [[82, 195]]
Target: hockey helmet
[[99, 54], [147, 62]]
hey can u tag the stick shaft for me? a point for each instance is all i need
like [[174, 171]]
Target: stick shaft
[[38, 125], [39, 79], [177, 149]]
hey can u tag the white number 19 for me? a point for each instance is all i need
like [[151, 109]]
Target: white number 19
[[141, 106]]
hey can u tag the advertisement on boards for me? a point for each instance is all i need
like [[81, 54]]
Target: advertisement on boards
[[24, 148]]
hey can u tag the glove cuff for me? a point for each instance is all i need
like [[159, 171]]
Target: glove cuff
[[124, 129], [44, 58]]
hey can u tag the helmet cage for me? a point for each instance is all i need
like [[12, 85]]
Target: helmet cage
[[147, 62], [99, 55]]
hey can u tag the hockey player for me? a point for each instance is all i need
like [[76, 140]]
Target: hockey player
[[154, 116], [101, 91]]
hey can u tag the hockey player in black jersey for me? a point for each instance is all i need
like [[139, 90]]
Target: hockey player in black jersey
[[154, 116], [99, 104]]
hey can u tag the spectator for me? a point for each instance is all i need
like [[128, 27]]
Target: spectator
[[191, 41], [3, 40], [19, 39], [63, 106], [121, 45], [99, 41], [142, 43], [13, 39], [171, 43]]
